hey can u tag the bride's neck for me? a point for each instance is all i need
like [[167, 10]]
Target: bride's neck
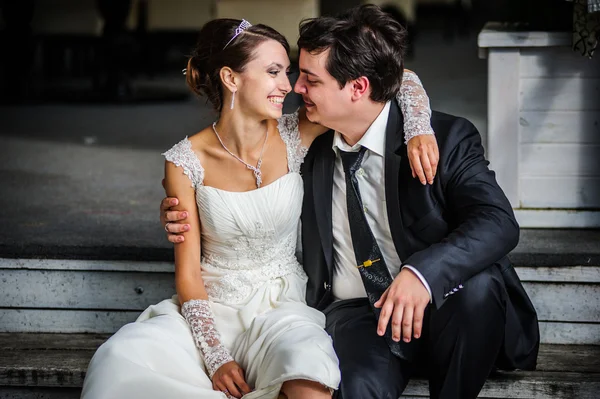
[[241, 134]]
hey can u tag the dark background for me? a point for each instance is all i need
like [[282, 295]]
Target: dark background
[[84, 118]]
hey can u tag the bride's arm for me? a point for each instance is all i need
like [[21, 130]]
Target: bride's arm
[[422, 148], [195, 307], [188, 278]]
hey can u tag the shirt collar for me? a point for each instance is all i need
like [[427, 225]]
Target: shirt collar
[[373, 139]]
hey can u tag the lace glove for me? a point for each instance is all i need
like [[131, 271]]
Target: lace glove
[[414, 104], [199, 315]]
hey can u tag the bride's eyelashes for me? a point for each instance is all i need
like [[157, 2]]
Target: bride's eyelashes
[[276, 72]]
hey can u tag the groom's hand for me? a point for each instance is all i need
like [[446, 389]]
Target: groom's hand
[[171, 220], [404, 302]]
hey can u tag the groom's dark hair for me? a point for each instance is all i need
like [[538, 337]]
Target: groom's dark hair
[[364, 41]]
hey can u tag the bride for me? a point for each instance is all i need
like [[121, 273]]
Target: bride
[[239, 324]]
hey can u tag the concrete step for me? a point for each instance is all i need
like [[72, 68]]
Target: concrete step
[[50, 365]]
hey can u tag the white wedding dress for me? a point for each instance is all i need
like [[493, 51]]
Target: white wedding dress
[[257, 291]]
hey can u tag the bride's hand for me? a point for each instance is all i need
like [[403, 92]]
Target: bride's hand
[[229, 379], [423, 154]]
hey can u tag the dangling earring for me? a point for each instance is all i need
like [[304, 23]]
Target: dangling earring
[[232, 99]]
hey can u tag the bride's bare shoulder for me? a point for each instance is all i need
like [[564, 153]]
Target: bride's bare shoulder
[[203, 140]]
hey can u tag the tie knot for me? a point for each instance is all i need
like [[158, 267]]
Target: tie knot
[[352, 160]]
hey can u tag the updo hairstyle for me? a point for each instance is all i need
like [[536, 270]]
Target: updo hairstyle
[[209, 55]]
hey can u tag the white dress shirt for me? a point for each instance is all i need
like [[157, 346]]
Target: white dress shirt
[[347, 282]]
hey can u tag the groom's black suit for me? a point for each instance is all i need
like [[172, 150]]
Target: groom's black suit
[[457, 233]]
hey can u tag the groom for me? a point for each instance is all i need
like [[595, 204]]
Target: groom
[[410, 277]]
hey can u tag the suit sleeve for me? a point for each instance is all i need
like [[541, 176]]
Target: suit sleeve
[[485, 229]]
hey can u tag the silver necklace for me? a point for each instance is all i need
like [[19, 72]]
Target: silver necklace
[[256, 170]]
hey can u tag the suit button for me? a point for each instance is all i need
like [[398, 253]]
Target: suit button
[[326, 286]]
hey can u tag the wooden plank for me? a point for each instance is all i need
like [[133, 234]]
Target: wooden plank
[[46, 341], [557, 218], [39, 393], [87, 265], [61, 321], [563, 274], [528, 385], [557, 274], [561, 160], [64, 321], [83, 289], [562, 369], [565, 302], [554, 94], [30, 289], [560, 192], [503, 120], [56, 368], [583, 274], [569, 333], [573, 358], [553, 360], [557, 247], [557, 62], [581, 127]]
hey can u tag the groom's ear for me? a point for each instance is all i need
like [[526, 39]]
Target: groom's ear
[[359, 88]]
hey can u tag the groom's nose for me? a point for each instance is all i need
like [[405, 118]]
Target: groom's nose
[[299, 86]]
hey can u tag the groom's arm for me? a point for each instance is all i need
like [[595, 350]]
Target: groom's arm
[[486, 229]]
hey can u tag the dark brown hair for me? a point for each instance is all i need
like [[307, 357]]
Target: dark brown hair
[[210, 55], [364, 41]]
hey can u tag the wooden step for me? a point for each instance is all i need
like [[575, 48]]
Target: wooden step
[[537, 247], [75, 289], [99, 296], [30, 362]]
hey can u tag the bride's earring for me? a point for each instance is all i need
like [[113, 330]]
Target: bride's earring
[[232, 99]]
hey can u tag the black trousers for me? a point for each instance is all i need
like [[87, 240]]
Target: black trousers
[[457, 349]]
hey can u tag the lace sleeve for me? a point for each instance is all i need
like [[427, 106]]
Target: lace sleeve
[[199, 315], [414, 104], [290, 134], [182, 155]]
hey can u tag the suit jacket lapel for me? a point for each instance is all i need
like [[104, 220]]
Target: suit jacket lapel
[[394, 142], [322, 194]]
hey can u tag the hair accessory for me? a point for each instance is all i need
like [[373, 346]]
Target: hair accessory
[[184, 71], [243, 26]]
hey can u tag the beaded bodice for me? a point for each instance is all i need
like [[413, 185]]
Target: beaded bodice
[[247, 237]]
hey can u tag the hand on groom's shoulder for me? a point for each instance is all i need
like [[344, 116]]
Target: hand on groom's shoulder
[[461, 151]]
